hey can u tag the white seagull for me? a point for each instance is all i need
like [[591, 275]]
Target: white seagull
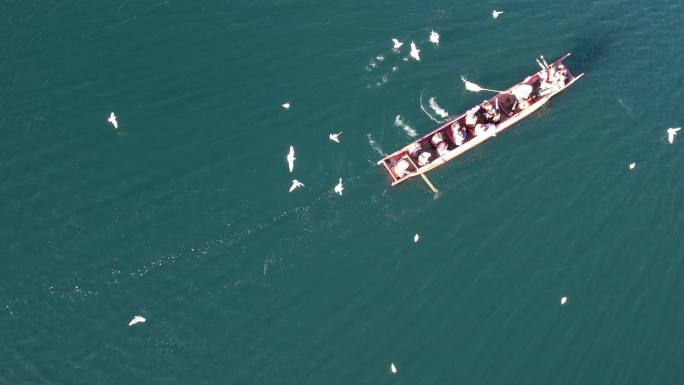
[[296, 184], [495, 13], [393, 368], [416, 238], [415, 52], [334, 137], [671, 132], [339, 188], [137, 320], [632, 165], [291, 158], [564, 300], [397, 44], [112, 120], [286, 106], [434, 38]]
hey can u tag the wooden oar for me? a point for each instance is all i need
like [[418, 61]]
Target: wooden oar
[[427, 181], [470, 86]]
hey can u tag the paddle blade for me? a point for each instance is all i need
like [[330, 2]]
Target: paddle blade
[[470, 86]]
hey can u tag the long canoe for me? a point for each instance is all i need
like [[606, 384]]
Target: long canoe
[[535, 101]]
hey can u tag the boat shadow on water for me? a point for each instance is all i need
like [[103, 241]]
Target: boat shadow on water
[[590, 47]]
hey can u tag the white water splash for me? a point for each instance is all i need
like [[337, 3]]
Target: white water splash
[[375, 146], [399, 122], [438, 110]]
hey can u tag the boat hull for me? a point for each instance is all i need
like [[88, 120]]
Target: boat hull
[[391, 159]]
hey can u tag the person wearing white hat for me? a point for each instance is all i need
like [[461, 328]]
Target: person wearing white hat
[[471, 117], [437, 139], [458, 132], [414, 149], [401, 168], [442, 148]]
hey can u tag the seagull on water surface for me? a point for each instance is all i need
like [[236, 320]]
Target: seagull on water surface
[[564, 300], [291, 158], [632, 165], [397, 44], [495, 13], [112, 120], [286, 106], [416, 238], [393, 368], [334, 137], [671, 132], [415, 52], [339, 188], [434, 38], [137, 320], [295, 185]]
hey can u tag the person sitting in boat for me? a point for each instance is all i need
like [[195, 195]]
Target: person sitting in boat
[[424, 158], [471, 117], [414, 149], [548, 84], [491, 114], [437, 139], [522, 93], [459, 133], [561, 76], [442, 148], [401, 168]]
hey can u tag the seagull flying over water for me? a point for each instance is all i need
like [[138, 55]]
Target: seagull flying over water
[[671, 132], [495, 13], [112, 120], [434, 38], [137, 320], [397, 44], [334, 137], [339, 188], [415, 52], [291, 158], [296, 184]]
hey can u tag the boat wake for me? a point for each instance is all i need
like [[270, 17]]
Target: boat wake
[[375, 146], [429, 115], [399, 122], [438, 110]]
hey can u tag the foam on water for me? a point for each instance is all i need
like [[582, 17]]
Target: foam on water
[[375, 146], [428, 113], [438, 110], [399, 122]]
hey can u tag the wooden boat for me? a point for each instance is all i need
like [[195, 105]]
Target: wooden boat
[[404, 163]]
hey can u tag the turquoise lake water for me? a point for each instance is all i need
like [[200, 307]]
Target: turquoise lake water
[[182, 215]]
